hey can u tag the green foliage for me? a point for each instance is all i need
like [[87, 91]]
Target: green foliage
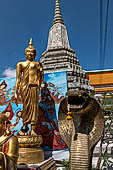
[[108, 101], [65, 164], [91, 94]]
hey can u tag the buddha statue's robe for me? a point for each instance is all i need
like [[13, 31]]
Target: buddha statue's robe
[[30, 83]]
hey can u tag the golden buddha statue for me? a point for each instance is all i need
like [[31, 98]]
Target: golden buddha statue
[[29, 76], [8, 146]]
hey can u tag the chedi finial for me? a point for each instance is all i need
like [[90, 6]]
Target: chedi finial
[[57, 16]]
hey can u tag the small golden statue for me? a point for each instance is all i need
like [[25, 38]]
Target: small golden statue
[[29, 76], [8, 146]]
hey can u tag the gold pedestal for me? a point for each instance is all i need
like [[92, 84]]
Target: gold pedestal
[[30, 155], [30, 151]]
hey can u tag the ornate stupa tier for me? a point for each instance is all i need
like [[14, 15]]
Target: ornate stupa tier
[[58, 48], [59, 56], [58, 37]]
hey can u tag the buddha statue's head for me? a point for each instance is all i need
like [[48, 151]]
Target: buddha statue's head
[[30, 51], [4, 125]]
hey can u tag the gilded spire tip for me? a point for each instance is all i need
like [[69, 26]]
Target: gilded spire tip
[[31, 42]]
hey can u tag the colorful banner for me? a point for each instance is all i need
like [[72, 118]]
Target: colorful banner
[[50, 97]]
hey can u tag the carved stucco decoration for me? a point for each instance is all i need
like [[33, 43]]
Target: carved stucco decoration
[[58, 37]]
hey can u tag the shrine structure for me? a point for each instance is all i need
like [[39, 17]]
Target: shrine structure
[[59, 56]]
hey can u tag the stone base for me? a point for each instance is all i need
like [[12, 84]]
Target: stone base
[[30, 155], [48, 164]]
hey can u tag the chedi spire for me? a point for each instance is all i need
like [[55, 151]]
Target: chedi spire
[[57, 16]]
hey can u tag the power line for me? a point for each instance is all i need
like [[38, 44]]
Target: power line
[[106, 31], [101, 30], [103, 44]]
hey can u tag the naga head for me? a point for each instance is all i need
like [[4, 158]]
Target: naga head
[[81, 128], [76, 100]]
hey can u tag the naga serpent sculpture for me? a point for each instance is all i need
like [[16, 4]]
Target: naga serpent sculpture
[[83, 129]]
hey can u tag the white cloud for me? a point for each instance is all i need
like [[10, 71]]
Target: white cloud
[[52, 75], [9, 72], [57, 78]]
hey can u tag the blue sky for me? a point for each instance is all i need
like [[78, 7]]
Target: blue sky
[[20, 20]]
